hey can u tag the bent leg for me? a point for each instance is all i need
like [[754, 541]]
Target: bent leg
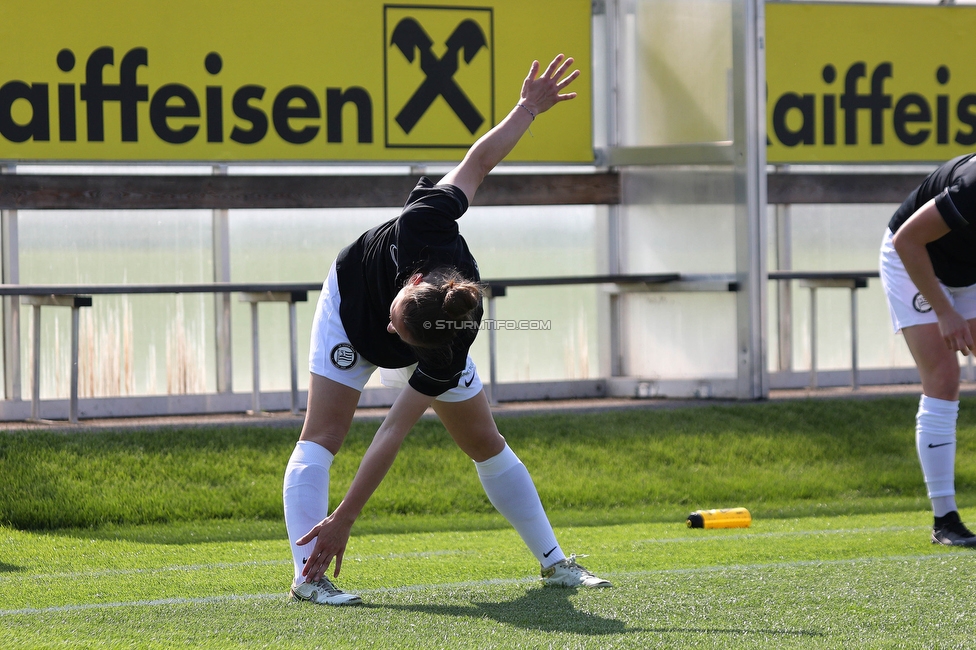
[[305, 492], [504, 478], [938, 366], [935, 428]]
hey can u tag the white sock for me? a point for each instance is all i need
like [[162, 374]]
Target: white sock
[[511, 490], [935, 440], [941, 506], [306, 496]]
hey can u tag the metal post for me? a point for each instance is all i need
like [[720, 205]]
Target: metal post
[[616, 309], [616, 336], [36, 377], [784, 288], [749, 172], [73, 402], [221, 266], [291, 297], [10, 242], [813, 337], [256, 363], [854, 377], [615, 263], [63, 300], [293, 340]]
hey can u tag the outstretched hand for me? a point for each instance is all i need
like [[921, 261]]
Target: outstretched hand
[[331, 538], [956, 333], [540, 93]]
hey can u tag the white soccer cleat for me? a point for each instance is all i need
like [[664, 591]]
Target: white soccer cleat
[[323, 592], [567, 573]]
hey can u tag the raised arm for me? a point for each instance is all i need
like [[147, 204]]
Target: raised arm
[[539, 94], [332, 534]]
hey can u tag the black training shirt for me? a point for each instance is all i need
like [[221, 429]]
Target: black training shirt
[[373, 269], [953, 186]]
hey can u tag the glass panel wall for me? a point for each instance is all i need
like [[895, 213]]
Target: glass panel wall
[[675, 63], [508, 242], [128, 345], [155, 345]]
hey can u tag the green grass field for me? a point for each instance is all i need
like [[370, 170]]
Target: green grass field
[[171, 538]]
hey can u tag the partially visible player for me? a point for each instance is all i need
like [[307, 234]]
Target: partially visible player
[[928, 271], [405, 295]]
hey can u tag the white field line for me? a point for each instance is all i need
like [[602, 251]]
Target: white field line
[[422, 554], [82, 575], [31, 611]]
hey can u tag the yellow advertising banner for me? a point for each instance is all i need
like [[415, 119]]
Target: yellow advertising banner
[[265, 80], [869, 83]]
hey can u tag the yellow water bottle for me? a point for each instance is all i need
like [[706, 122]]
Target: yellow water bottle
[[720, 518]]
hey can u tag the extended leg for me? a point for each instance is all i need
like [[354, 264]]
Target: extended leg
[[305, 493], [509, 487]]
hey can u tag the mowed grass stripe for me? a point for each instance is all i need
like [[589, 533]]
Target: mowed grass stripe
[[878, 582], [961, 557], [780, 459], [214, 566], [497, 552], [188, 524], [439, 553]]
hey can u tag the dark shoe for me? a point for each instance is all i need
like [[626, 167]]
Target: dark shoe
[[950, 531]]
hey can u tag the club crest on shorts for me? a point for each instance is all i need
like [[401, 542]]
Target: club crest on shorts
[[344, 356], [920, 304]]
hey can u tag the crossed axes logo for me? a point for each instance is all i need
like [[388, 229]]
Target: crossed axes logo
[[467, 39]]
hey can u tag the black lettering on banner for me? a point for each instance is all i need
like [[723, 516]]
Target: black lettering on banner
[[215, 101], [335, 99], [966, 115], [804, 104], [215, 114], [942, 108], [284, 110], [130, 93], [170, 105], [38, 127], [914, 117], [829, 74], [243, 110], [94, 92], [160, 110], [912, 108], [67, 123], [942, 119], [409, 37], [876, 101]]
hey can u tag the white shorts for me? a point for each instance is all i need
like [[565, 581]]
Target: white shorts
[[331, 354], [905, 301]]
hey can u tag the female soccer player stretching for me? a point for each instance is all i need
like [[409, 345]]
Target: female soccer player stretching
[[928, 270], [405, 297]]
